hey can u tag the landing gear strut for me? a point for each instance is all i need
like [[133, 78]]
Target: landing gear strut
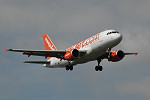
[[109, 53], [99, 68]]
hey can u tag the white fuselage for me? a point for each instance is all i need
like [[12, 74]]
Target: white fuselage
[[94, 46]]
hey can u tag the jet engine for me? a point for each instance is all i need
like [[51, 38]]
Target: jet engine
[[72, 54], [116, 56]]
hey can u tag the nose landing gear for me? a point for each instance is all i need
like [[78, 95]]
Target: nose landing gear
[[99, 68]]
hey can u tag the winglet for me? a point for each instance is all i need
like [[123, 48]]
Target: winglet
[[5, 50]]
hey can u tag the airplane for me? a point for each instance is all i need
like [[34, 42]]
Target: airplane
[[97, 47]]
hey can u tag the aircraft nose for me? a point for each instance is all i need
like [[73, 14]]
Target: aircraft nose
[[118, 37]]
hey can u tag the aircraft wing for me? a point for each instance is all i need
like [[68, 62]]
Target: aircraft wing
[[45, 53], [106, 55], [131, 54]]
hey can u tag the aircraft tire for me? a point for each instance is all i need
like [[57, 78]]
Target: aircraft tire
[[100, 68], [67, 67], [96, 68], [71, 67]]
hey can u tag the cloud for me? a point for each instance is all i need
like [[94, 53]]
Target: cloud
[[24, 22], [138, 87]]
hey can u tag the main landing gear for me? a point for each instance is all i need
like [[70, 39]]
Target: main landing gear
[[98, 68], [69, 67]]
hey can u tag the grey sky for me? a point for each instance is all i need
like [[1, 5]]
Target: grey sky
[[67, 22]]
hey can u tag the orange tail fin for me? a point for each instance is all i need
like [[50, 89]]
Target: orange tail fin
[[48, 44]]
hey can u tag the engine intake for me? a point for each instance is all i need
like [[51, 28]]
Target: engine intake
[[72, 54], [116, 56], [120, 54], [75, 53]]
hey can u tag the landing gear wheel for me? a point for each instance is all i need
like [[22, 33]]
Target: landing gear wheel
[[98, 68], [69, 67]]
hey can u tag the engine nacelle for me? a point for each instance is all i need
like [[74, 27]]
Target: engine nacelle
[[116, 56], [72, 54]]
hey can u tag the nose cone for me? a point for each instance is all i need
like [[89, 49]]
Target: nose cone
[[117, 38]]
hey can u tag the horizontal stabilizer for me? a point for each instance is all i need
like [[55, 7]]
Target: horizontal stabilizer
[[37, 62]]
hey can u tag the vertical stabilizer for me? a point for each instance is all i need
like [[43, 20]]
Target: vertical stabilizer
[[48, 44]]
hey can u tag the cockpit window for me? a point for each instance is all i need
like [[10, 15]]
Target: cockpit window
[[112, 32]]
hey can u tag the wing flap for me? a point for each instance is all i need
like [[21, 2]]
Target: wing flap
[[51, 54]]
